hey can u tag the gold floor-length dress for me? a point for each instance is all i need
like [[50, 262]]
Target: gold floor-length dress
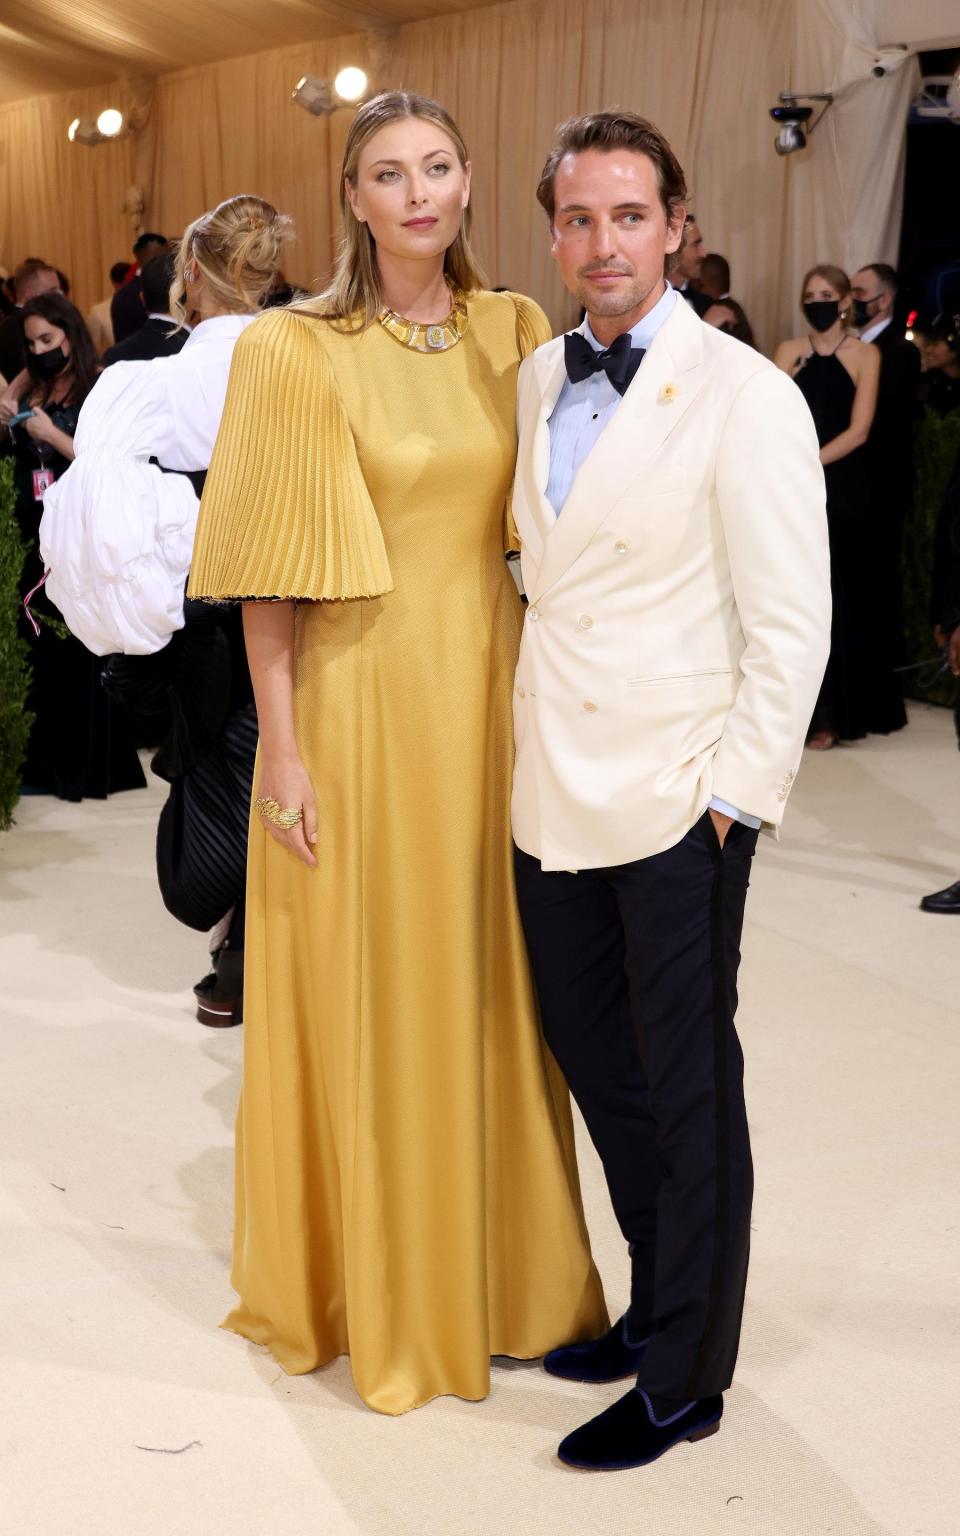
[[406, 1182]]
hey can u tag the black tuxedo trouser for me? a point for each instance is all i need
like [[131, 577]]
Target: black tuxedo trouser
[[636, 971]]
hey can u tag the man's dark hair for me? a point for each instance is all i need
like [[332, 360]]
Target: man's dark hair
[[119, 271], [28, 269], [716, 270], [609, 131], [156, 277], [885, 274], [57, 310], [146, 239]]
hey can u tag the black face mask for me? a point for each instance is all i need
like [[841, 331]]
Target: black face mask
[[46, 365], [861, 312], [822, 314]]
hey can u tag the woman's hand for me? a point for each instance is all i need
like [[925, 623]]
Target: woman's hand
[[286, 780], [40, 426], [9, 406]]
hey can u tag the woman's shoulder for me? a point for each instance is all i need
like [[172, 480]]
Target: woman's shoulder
[[289, 334], [791, 351], [531, 325]]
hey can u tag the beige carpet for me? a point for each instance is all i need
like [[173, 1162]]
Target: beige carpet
[[124, 1411]]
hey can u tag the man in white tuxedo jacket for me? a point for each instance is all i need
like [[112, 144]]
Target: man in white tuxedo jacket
[[670, 505]]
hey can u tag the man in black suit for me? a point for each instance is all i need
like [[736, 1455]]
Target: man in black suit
[[126, 311], [890, 469], [157, 336], [686, 268]]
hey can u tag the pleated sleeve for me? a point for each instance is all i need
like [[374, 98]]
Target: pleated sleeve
[[533, 330], [285, 511]]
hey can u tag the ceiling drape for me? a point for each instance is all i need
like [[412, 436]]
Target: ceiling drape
[[705, 70]]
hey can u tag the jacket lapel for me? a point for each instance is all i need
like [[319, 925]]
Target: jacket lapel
[[662, 391]]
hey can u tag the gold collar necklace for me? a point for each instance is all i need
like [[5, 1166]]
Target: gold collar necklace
[[428, 338]]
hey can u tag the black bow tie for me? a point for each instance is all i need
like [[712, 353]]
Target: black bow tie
[[619, 362]]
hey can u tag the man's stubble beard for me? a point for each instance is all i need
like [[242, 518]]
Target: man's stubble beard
[[609, 306]]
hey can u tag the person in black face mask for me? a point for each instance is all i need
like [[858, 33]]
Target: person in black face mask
[[78, 744], [838, 376]]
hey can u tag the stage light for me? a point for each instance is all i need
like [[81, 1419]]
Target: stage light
[[83, 130], [313, 95], [794, 120], [110, 122], [350, 84]]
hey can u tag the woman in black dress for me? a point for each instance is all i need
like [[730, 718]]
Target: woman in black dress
[[79, 745], [838, 376]]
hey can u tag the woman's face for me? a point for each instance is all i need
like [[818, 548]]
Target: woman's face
[[43, 336], [411, 189], [720, 316], [818, 291]]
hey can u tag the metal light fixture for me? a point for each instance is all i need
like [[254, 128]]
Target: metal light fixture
[[83, 130], [320, 98], [313, 95]]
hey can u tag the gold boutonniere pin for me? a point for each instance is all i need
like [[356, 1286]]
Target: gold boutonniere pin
[[667, 394]]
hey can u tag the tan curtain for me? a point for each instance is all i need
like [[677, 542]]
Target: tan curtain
[[705, 70], [63, 201]]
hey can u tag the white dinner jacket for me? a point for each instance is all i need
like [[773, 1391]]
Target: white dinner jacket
[[678, 624]]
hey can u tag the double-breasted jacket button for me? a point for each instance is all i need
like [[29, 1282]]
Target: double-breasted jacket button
[[533, 614], [586, 621], [590, 707], [621, 547]]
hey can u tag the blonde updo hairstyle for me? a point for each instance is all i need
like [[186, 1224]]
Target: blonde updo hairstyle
[[355, 289], [237, 247]]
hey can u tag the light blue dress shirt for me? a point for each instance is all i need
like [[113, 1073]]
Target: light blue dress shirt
[[576, 422]]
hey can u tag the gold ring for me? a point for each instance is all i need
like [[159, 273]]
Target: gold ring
[[273, 811]]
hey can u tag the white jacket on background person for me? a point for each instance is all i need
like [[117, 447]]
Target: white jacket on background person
[[116, 536], [678, 624]]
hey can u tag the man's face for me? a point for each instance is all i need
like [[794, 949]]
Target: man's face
[[692, 252], [866, 288], [610, 231]]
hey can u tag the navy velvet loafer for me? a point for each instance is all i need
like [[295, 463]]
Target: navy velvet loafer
[[627, 1434], [610, 1358]]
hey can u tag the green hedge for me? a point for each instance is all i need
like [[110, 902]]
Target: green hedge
[[15, 719]]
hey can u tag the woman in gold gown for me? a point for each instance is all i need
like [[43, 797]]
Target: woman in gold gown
[[406, 1180]]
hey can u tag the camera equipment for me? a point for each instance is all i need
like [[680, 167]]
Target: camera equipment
[[794, 120]]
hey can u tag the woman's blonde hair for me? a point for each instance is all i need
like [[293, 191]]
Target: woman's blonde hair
[[237, 247], [355, 288]]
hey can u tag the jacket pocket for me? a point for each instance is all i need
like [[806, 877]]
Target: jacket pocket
[[656, 680]]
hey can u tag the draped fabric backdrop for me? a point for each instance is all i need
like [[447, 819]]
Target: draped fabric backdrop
[[705, 70]]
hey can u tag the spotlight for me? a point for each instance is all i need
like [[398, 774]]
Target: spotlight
[[350, 85], [110, 123], [313, 95], [83, 130]]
